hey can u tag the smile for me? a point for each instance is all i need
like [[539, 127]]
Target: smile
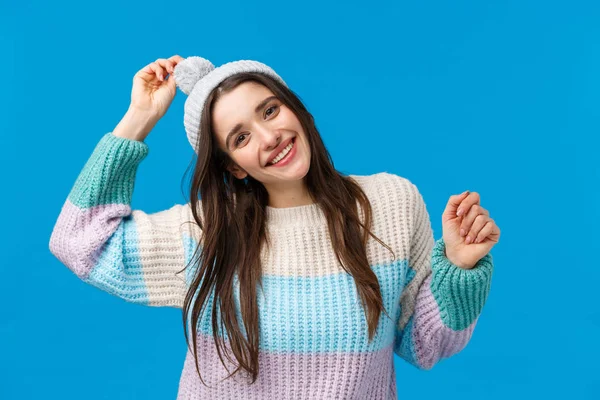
[[285, 156]]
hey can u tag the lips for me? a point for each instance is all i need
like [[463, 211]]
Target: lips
[[278, 150]]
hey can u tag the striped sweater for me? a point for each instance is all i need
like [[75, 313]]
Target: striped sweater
[[313, 331]]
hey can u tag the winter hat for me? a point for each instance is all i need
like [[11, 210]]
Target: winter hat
[[197, 77]]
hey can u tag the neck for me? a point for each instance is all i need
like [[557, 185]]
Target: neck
[[289, 194]]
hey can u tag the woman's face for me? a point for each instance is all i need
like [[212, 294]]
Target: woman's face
[[253, 127]]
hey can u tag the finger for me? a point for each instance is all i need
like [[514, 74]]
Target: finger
[[467, 202], [160, 68], [166, 65], [169, 63], [148, 73], [470, 217], [171, 81], [176, 59], [453, 203], [476, 227], [169, 66], [153, 69], [486, 231]]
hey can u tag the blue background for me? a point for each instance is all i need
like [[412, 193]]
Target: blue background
[[501, 98]]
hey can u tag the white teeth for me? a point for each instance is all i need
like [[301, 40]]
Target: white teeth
[[282, 154]]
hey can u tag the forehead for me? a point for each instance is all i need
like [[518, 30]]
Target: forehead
[[237, 106]]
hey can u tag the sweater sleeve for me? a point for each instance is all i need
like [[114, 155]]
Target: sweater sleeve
[[441, 302], [130, 254]]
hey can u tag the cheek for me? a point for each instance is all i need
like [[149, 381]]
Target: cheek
[[289, 118], [247, 160]]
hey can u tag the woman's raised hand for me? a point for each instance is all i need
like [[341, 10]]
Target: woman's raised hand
[[153, 92], [151, 97]]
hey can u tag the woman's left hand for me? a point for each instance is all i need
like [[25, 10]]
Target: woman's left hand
[[479, 232]]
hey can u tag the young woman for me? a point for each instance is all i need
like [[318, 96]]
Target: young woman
[[303, 279]]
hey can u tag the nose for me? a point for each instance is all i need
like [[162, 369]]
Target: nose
[[269, 138]]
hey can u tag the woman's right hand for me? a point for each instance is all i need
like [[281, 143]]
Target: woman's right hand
[[152, 94]]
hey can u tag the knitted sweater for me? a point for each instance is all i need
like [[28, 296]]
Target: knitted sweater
[[313, 331]]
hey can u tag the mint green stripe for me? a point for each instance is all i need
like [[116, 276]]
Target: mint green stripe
[[109, 174], [460, 293]]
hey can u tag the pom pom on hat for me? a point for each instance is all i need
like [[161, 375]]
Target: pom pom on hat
[[189, 71]]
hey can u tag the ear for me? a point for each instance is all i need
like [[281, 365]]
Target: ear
[[237, 171]]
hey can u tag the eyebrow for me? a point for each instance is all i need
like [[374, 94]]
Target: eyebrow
[[239, 126]]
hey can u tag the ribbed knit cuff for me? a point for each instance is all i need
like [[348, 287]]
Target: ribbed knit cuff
[[109, 174], [460, 293]]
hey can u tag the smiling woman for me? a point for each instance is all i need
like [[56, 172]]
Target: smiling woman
[[268, 212], [242, 196]]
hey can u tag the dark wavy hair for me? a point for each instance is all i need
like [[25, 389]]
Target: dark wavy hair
[[233, 231]]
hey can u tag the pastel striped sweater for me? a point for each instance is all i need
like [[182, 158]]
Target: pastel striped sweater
[[313, 331]]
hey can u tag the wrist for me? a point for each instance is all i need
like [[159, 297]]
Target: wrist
[[456, 261], [135, 125]]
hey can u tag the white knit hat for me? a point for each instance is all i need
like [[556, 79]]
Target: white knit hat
[[197, 77]]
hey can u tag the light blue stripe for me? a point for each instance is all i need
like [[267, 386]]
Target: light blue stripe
[[120, 273], [404, 346], [189, 246], [319, 314]]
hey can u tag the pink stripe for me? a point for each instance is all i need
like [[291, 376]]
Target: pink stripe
[[79, 234], [431, 337], [368, 375]]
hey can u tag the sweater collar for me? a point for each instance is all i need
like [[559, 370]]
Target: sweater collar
[[307, 215]]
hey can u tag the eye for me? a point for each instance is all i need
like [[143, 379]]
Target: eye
[[273, 107], [237, 140]]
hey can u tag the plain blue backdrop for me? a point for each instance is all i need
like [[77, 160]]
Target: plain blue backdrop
[[501, 98]]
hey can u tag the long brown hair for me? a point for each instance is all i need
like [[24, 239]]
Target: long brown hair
[[233, 231]]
